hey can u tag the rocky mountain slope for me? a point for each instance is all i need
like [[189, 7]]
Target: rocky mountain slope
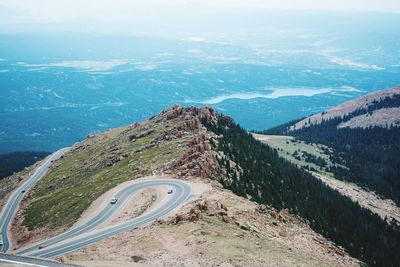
[[172, 142], [381, 109], [250, 208]]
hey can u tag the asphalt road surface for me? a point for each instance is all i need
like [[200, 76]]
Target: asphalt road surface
[[18, 261]]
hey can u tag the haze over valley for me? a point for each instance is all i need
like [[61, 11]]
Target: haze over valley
[[59, 87]]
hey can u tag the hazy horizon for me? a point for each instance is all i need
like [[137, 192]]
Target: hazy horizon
[[174, 18]]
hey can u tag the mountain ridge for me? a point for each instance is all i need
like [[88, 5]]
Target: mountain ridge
[[361, 112]]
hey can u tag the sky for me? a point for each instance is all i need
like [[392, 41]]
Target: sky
[[20, 15]]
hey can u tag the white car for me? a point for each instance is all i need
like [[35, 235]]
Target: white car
[[113, 200]]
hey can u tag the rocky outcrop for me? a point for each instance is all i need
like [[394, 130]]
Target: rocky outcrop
[[198, 159], [133, 137], [201, 113]]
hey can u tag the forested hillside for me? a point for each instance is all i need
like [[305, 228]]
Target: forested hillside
[[370, 154], [260, 173], [14, 162]]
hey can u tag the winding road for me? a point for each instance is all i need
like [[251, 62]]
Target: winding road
[[94, 229], [14, 200]]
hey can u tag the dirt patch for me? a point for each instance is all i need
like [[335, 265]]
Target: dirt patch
[[110, 264], [137, 204]]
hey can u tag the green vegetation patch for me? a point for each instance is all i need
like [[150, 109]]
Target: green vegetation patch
[[311, 156]]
